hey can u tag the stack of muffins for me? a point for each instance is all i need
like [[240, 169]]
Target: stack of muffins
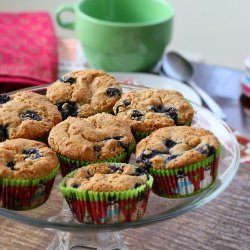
[[92, 128]]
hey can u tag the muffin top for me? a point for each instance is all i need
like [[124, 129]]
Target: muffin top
[[174, 147], [97, 137], [107, 177], [26, 115], [25, 159], [150, 109], [84, 93]]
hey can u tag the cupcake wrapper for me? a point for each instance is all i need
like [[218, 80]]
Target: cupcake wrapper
[[23, 194], [67, 165], [186, 181], [107, 207]]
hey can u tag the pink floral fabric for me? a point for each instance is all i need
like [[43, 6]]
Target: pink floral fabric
[[28, 50]]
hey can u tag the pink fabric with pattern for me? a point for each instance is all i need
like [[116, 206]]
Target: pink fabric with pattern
[[28, 50]]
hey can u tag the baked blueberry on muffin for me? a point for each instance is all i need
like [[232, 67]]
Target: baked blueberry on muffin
[[98, 138], [84, 93], [106, 193], [27, 172], [26, 115], [151, 109], [183, 160]]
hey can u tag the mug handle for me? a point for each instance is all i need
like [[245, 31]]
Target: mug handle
[[65, 7]]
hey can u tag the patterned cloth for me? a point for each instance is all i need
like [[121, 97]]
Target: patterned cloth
[[28, 50], [244, 143]]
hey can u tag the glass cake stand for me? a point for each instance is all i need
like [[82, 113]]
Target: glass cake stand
[[55, 215]]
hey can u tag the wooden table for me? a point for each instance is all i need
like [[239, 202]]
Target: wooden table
[[222, 224]]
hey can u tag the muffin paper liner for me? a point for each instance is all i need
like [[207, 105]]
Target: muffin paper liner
[[68, 165], [24, 194], [107, 207], [186, 181]]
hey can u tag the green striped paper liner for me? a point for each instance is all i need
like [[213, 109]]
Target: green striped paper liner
[[24, 194], [165, 178], [29, 182]]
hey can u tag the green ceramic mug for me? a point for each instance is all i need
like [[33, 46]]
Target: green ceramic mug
[[121, 35]]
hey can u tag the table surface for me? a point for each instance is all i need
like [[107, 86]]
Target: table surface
[[224, 223]]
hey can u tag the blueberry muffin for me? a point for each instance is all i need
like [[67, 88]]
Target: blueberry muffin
[[107, 193], [151, 109], [27, 172], [26, 115], [84, 93], [98, 138], [183, 160]]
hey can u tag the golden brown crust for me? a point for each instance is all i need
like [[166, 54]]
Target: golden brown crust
[[97, 137], [89, 91], [17, 163], [104, 177], [156, 107], [21, 102], [174, 147]]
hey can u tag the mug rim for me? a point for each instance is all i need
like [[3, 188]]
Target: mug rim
[[127, 25]]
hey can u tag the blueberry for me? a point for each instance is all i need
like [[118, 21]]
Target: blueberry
[[211, 150], [171, 112], [67, 79], [4, 98], [32, 153], [67, 109], [3, 133], [30, 115], [139, 172], [136, 115], [113, 91], [146, 156], [169, 143], [171, 157], [126, 102], [206, 149], [11, 165], [75, 185]]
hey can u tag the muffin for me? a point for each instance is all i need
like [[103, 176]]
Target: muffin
[[106, 193], [84, 93], [98, 138], [151, 109], [27, 172], [182, 160], [26, 115]]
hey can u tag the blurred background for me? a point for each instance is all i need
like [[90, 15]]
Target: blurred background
[[217, 32]]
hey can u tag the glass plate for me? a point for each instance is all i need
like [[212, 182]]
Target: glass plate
[[55, 214]]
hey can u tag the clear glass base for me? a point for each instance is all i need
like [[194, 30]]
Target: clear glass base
[[99, 241]]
